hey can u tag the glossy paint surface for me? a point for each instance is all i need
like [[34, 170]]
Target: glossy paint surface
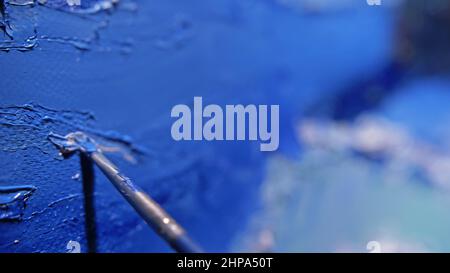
[[116, 74]]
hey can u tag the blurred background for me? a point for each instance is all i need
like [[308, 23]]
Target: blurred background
[[364, 95]]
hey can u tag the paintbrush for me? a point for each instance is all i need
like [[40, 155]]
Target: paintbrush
[[155, 216]]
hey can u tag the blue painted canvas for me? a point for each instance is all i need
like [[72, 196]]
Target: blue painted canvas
[[353, 97]]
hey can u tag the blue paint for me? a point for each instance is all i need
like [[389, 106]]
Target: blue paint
[[13, 201], [228, 52], [421, 106]]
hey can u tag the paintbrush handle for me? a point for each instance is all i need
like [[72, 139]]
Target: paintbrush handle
[[149, 209]]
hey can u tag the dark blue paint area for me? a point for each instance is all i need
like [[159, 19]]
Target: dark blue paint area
[[367, 94], [130, 67], [421, 105]]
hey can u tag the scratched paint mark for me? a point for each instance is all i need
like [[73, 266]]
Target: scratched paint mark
[[13, 201], [28, 44], [28, 126], [92, 42], [52, 205], [20, 22], [81, 44], [84, 7]]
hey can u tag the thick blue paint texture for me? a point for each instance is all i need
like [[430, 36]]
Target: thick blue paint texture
[[129, 67], [13, 201]]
